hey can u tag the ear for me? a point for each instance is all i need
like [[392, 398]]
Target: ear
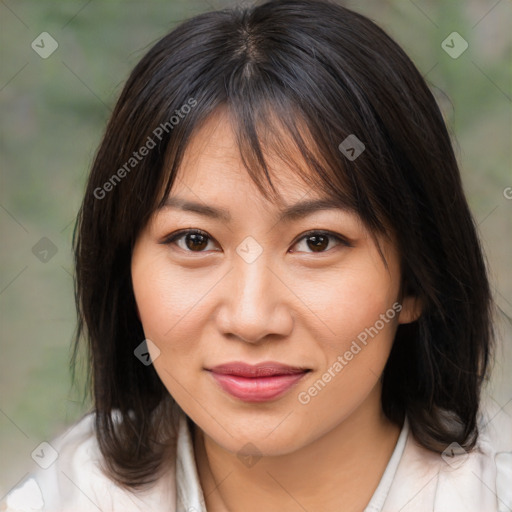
[[412, 308]]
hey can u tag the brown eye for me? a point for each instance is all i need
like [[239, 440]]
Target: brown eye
[[196, 241], [189, 240], [319, 241]]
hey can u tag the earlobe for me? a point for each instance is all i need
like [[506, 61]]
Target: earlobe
[[412, 308]]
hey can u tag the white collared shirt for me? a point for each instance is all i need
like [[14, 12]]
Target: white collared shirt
[[415, 479]]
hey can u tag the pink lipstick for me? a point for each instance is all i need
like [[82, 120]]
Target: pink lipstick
[[256, 383]]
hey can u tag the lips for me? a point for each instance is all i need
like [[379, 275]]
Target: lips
[[256, 383]]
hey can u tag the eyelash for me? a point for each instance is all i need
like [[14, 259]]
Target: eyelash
[[180, 234]]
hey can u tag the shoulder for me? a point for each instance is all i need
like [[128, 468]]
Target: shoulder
[[457, 480], [69, 477]]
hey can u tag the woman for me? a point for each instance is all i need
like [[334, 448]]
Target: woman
[[280, 284]]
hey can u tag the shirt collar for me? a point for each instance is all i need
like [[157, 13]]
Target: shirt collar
[[189, 495], [379, 496]]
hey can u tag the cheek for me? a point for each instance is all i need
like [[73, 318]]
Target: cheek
[[168, 302], [163, 297], [354, 299], [359, 311], [169, 307], [351, 361]]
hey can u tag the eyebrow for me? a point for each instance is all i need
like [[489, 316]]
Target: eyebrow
[[290, 213]]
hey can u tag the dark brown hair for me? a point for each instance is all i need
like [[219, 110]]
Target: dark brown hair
[[317, 72]]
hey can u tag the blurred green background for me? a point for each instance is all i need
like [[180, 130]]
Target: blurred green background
[[54, 112]]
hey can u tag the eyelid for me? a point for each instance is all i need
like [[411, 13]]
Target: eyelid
[[340, 238]]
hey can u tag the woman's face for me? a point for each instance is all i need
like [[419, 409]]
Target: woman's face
[[262, 329]]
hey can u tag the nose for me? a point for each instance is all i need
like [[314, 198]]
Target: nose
[[256, 303]]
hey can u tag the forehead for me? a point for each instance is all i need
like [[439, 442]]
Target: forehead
[[212, 166], [212, 181]]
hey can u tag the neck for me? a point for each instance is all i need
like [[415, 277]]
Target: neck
[[341, 469]]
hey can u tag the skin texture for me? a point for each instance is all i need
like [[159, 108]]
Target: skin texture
[[292, 305]]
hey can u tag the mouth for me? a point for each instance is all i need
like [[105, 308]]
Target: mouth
[[256, 383]]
